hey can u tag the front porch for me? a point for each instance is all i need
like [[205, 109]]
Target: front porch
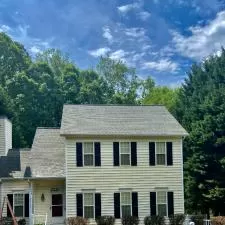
[[39, 201], [48, 202]]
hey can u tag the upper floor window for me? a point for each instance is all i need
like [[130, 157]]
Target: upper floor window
[[160, 153], [125, 153], [88, 154]]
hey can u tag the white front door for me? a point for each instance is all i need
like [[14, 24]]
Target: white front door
[[57, 208]]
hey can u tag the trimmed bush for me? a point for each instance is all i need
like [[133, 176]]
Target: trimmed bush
[[6, 221], [177, 219], [130, 220], [22, 222], [105, 220], [76, 221], [154, 220], [218, 220]]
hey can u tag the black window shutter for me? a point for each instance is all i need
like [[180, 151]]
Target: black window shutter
[[133, 153], [27, 205], [153, 203], [80, 205], [135, 204], [79, 154], [116, 154], [97, 154], [169, 149], [117, 205], [170, 203], [152, 153], [10, 198], [98, 207]]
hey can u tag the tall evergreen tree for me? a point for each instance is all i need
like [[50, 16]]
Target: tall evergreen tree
[[201, 110]]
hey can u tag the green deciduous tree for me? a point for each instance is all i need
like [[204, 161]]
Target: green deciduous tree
[[162, 95]]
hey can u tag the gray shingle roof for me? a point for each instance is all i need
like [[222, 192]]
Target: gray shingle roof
[[45, 159], [47, 156], [109, 120]]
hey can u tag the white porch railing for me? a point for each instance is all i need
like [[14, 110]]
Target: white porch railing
[[40, 219]]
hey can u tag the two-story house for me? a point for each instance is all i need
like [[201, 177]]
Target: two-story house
[[103, 160]]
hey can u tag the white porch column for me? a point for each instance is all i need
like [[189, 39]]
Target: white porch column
[[30, 203]]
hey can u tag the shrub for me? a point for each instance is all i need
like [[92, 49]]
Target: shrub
[[22, 222], [130, 220], [105, 220], [6, 221], [177, 219], [76, 221], [218, 220], [198, 219], [154, 220]]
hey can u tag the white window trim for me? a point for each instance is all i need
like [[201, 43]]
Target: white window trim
[[93, 143], [89, 205], [15, 193], [123, 153], [131, 211], [58, 193], [159, 154], [161, 203]]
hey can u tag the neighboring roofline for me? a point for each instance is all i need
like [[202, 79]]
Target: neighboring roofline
[[46, 128], [112, 105], [5, 117], [31, 178], [124, 135]]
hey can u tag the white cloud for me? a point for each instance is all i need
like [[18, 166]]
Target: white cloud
[[118, 55], [126, 8], [107, 34], [144, 15], [135, 32], [35, 50], [4, 28], [162, 65], [99, 52], [203, 41]]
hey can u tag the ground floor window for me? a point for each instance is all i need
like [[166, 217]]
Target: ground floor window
[[162, 203], [89, 205], [18, 204], [126, 204], [57, 205]]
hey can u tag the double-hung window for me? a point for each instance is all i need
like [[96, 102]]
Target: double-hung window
[[18, 204], [125, 153], [160, 153], [89, 205], [88, 149], [162, 203], [126, 204]]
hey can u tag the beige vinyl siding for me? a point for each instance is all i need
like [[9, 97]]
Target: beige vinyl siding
[[42, 207], [108, 179], [5, 136], [8, 135], [10, 187]]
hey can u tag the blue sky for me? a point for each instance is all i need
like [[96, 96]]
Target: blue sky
[[161, 38]]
